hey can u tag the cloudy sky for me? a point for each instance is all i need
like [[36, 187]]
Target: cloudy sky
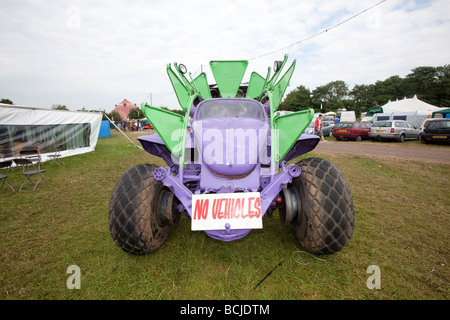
[[93, 54]]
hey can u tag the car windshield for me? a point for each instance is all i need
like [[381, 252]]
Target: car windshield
[[383, 124], [345, 125], [233, 108], [438, 125]]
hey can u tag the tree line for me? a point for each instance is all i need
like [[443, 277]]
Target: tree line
[[430, 84]]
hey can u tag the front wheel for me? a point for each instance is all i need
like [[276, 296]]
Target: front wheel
[[136, 200], [327, 214]]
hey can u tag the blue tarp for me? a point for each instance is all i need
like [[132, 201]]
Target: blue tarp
[[104, 129]]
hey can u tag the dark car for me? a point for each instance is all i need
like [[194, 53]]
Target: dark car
[[351, 130], [436, 130]]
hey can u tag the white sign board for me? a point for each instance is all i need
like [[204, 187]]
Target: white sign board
[[219, 211]]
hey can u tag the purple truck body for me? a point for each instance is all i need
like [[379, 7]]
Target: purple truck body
[[242, 165]]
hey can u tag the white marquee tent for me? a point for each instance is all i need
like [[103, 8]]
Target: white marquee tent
[[413, 110], [72, 132]]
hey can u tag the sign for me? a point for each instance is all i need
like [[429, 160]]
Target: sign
[[220, 211]]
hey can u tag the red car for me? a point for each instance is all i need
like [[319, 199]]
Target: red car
[[351, 130]]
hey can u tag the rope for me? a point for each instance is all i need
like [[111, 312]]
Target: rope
[[139, 147], [302, 263]]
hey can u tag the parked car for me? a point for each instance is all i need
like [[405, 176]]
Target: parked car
[[327, 128], [351, 130], [436, 130], [424, 123], [399, 130]]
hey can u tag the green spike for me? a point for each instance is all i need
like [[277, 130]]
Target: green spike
[[280, 88], [289, 127], [201, 83], [255, 85], [169, 126], [271, 82], [183, 94], [228, 76]]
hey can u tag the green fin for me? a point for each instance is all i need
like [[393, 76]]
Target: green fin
[[169, 126], [228, 76], [289, 127], [280, 88], [255, 85], [183, 94], [201, 84]]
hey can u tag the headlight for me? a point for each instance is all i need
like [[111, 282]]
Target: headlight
[[182, 68]]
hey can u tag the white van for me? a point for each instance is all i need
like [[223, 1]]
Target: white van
[[347, 116]]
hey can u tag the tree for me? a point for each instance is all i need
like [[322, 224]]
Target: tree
[[431, 84], [114, 116], [59, 107], [179, 111], [362, 96], [443, 86], [6, 101], [296, 100], [135, 113], [392, 88], [330, 96]]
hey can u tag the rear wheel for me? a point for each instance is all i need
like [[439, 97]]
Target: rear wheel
[[422, 140], [136, 200], [401, 138], [327, 215]]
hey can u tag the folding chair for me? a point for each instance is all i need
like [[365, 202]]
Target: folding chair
[[55, 156], [24, 163], [3, 165], [5, 153], [31, 152]]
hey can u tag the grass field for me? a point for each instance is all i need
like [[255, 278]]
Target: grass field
[[402, 225]]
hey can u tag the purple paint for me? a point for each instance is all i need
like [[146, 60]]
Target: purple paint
[[226, 153]]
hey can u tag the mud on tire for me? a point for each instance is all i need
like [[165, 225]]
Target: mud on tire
[[327, 221], [132, 211]]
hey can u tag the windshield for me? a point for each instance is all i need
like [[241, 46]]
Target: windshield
[[347, 125], [438, 125], [230, 108], [383, 124]]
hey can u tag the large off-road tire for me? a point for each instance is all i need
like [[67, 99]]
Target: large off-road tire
[[133, 218], [327, 214]]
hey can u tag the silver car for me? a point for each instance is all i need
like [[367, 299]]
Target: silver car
[[399, 130], [327, 128]]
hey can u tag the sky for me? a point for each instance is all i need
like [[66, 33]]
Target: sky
[[94, 54]]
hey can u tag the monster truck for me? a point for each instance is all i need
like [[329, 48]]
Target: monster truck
[[228, 166]]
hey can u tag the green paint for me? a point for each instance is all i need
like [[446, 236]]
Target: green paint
[[169, 126], [280, 88], [228, 76], [288, 129], [201, 84], [182, 92], [255, 86]]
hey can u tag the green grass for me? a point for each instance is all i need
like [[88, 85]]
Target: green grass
[[402, 223]]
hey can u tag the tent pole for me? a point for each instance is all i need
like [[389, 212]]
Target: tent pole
[[122, 132]]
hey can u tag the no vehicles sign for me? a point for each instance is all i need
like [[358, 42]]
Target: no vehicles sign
[[220, 211]]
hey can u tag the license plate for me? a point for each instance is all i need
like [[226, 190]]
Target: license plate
[[220, 211], [342, 130], [379, 130], [439, 137]]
